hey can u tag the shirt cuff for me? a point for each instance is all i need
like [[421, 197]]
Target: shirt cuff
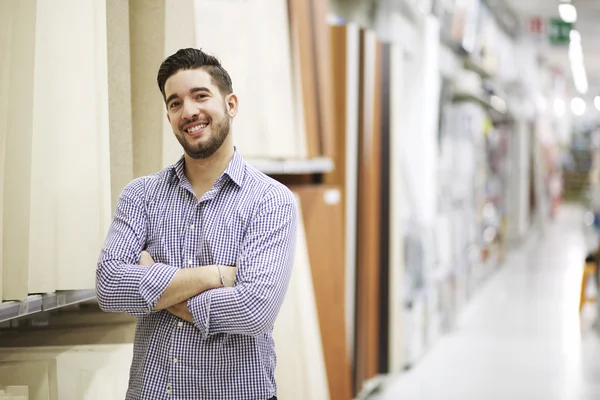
[[154, 282], [199, 307]]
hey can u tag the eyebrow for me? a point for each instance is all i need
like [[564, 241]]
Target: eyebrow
[[192, 90]]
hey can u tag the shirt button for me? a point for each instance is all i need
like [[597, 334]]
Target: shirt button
[[190, 262], [180, 323], [192, 227], [169, 391], [175, 360]]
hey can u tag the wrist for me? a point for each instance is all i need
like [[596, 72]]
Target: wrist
[[210, 277]]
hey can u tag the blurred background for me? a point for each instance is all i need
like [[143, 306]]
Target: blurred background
[[445, 155]]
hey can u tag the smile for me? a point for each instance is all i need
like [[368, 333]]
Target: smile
[[196, 128]]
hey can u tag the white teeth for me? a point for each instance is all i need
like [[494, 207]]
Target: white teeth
[[196, 128]]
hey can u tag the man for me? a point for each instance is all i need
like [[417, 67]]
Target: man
[[218, 240]]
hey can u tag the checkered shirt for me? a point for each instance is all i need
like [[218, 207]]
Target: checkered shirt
[[248, 220]]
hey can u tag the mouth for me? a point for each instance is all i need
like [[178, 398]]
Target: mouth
[[196, 129]]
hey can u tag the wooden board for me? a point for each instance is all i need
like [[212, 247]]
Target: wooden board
[[320, 9], [264, 126], [57, 185], [147, 27], [273, 43], [82, 372], [18, 140], [119, 96], [397, 185], [369, 213], [345, 64], [384, 227], [301, 372], [6, 15], [304, 67], [83, 205], [38, 375], [323, 217]]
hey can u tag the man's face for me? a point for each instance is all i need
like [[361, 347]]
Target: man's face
[[198, 113]]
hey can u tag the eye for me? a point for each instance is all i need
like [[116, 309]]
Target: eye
[[201, 96], [174, 104]]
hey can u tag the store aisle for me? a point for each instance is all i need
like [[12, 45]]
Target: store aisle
[[520, 337]]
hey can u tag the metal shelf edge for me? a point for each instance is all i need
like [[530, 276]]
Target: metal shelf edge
[[37, 303], [291, 167]]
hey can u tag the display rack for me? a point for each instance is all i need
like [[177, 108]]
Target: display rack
[[320, 165], [43, 302]]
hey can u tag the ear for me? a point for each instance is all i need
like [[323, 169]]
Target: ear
[[169, 117], [231, 101]]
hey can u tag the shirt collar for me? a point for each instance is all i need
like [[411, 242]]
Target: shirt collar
[[235, 169]]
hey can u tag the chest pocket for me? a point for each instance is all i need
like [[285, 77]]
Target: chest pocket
[[222, 237]]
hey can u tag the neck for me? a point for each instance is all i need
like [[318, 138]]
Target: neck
[[202, 173]]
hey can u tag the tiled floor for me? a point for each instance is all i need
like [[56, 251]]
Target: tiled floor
[[521, 337]]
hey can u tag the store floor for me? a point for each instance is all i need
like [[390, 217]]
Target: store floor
[[521, 337]]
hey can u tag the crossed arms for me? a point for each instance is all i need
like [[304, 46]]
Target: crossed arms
[[195, 294]]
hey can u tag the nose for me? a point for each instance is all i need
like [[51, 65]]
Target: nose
[[190, 110]]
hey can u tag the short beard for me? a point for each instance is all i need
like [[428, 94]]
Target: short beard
[[220, 132]]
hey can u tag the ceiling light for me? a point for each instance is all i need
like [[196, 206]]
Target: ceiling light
[[597, 103], [567, 12], [578, 106], [575, 36], [559, 107]]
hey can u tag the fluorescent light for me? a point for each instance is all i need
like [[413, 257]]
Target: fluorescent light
[[578, 106], [575, 36], [597, 103], [577, 64], [567, 12], [559, 107]]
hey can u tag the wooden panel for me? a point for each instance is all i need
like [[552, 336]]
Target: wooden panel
[[320, 9], [119, 96], [345, 66], [301, 372], [396, 274], [83, 209], [39, 376], [323, 218], [5, 44], [57, 185], [384, 241], [304, 64], [273, 40], [227, 35], [19, 134], [367, 324], [339, 68], [147, 27]]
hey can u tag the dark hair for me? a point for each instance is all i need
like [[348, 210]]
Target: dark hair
[[191, 59]]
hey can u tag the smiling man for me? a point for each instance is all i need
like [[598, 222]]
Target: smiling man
[[200, 252]]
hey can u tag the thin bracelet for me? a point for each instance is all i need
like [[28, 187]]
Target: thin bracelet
[[222, 281]]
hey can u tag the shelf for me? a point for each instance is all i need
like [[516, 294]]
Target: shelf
[[496, 106], [37, 303], [478, 67], [293, 167]]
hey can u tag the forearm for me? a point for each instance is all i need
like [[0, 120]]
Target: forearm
[[241, 310], [187, 283], [133, 289]]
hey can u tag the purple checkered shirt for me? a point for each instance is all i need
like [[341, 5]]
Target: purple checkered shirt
[[247, 219]]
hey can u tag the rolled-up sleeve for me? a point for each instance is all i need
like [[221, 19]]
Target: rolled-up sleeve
[[264, 272], [121, 284]]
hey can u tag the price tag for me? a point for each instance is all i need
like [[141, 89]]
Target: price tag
[[61, 299]]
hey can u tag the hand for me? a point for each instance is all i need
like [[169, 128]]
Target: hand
[[146, 259], [182, 311]]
